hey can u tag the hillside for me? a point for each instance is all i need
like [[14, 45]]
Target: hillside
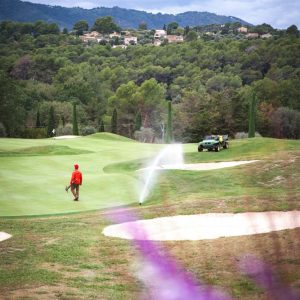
[[17, 10]]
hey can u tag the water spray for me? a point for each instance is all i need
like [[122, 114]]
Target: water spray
[[171, 155]]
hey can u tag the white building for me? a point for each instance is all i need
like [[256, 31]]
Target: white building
[[130, 40], [175, 38], [266, 36], [242, 29], [160, 34]]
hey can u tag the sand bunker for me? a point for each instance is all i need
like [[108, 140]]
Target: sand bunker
[[205, 226], [64, 137], [4, 236], [204, 166]]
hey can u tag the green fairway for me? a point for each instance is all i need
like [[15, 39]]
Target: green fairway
[[34, 174]]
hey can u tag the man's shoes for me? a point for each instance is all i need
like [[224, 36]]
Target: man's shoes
[[76, 199], [67, 188]]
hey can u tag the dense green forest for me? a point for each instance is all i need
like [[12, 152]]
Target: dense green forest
[[46, 73]]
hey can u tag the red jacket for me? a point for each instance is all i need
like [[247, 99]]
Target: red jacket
[[76, 177]]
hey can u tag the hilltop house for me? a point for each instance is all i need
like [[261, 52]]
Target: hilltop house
[[160, 34], [252, 35], [266, 36], [157, 42], [115, 35], [91, 36], [242, 29], [174, 38], [130, 40]]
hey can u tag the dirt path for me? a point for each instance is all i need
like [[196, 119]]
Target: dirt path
[[205, 226]]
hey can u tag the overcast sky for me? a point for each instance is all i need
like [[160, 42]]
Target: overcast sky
[[278, 13]]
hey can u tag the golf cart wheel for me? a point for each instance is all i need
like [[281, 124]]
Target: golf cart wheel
[[200, 149], [217, 149], [226, 146]]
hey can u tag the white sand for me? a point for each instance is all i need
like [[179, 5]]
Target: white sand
[[64, 137], [205, 226], [4, 236], [203, 166]]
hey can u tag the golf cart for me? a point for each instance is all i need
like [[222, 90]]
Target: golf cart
[[214, 143]]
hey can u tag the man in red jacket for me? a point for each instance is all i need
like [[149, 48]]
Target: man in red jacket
[[75, 182]]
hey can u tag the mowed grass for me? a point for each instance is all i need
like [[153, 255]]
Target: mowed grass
[[34, 173], [67, 257]]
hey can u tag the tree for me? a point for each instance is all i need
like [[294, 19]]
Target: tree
[[285, 123], [143, 26], [292, 30], [169, 136], [252, 115], [186, 30], [105, 25], [172, 27], [38, 122], [151, 97], [191, 36], [194, 116], [101, 129], [51, 122], [12, 105], [81, 26], [126, 102], [138, 121], [114, 122], [21, 69], [75, 123]]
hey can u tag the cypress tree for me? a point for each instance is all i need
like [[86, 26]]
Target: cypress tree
[[75, 124], [138, 121], [114, 122], [101, 128], [51, 122], [169, 136], [38, 121], [252, 116]]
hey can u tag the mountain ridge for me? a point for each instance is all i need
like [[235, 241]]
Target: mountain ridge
[[24, 11]]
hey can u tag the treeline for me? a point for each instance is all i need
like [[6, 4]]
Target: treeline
[[210, 84]]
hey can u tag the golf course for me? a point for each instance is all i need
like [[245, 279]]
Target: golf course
[[57, 249]]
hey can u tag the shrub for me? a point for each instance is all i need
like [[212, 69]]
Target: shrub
[[285, 123], [65, 130], [244, 135], [145, 135], [34, 133], [88, 130]]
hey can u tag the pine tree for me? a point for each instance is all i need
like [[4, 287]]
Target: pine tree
[[101, 127], [38, 121], [114, 122], [169, 136], [75, 124], [51, 122], [138, 121], [252, 116]]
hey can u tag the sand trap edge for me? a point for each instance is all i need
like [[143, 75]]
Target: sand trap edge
[[204, 226], [4, 236]]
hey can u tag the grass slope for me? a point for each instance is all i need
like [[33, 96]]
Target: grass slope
[[67, 257], [34, 173]]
